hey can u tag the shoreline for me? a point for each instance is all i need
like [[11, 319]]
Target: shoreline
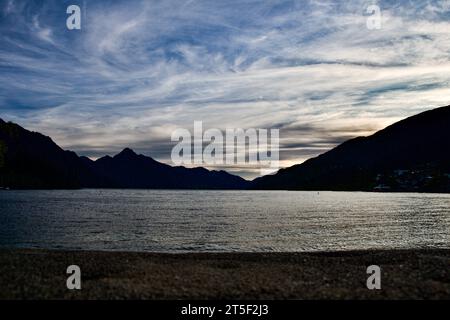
[[256, 190], [405, 274]]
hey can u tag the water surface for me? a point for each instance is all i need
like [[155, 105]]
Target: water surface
[[178, 220]]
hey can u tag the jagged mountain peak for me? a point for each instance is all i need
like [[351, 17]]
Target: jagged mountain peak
[[126, 152], [29, 160]]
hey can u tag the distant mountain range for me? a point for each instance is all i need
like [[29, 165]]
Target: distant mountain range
[[30, 160], [410, 155]]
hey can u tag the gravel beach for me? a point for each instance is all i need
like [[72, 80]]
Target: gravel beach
[[405, 274]]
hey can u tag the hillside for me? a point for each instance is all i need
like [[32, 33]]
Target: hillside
[[410, 155], [30, 160]]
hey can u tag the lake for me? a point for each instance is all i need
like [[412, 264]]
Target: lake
[[222, 221]]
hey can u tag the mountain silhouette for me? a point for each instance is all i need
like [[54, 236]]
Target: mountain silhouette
[[410, 155], [30, 160], [130, 170]]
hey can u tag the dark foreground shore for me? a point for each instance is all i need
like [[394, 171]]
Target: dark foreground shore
[[41, 274]]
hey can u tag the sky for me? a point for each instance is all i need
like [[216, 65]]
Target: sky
[[138, 70]]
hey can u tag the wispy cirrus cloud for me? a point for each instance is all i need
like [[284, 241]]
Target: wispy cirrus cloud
[[139, 69]]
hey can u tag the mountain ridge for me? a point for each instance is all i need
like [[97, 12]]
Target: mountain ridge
[[411, 155], [384, 161], [31, 160]]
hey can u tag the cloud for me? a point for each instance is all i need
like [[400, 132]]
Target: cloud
[[139, 69], [42, 33]]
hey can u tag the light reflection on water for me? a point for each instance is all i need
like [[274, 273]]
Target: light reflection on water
[[178, 220]]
